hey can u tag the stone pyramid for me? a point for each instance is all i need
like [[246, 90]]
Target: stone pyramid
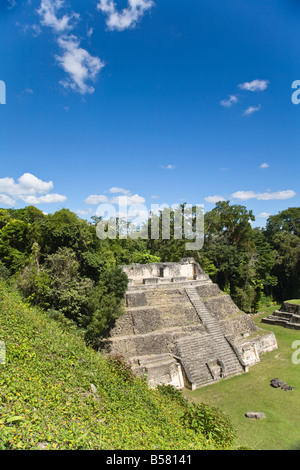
[[180, 329]]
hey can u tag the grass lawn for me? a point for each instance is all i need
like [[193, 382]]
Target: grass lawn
[[252, 392], [294, 301]]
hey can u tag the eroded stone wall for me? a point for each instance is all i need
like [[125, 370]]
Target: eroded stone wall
[[186, 268]]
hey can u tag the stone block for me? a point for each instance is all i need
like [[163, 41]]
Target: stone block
[[221, 306], [150, 281], [255, 415], [136, 299], [145, 321], [200, 277], [179, 279], [209, 290]]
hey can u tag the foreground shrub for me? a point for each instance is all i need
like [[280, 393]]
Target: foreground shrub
[[209, 421], [120, 367], [172, 393]]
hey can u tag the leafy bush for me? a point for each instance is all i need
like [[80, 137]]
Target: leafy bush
[[34, 286], [172, 393], [4, 272], [201, 418], [66, 324], [120, 367], [209, 421], [102, 320]]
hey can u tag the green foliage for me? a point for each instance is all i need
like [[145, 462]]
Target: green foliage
[[119, 366], [55, 393], [66, 324], [4, 272], [229, 223], [287, 221], [65, 229], [29, 214], [173, 394], [95, 263], [211, 422], [204, 419], [144, 258], [4, 218], [287, 265], [14, 244], [34, 286], [115, 281], [102, 319]]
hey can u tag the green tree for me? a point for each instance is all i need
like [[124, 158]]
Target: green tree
[[68, 292], [65, 229], [285, 221], [287, 266], [14, 245]]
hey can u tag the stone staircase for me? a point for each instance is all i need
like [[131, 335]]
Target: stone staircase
[[207, 357]]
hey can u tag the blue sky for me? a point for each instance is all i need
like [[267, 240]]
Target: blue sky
[[160, 101]]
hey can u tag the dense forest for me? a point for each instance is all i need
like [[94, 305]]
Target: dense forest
[[58, 262]]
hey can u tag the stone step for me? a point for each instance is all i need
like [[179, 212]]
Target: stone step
[[169, 285], [197, 350], [158, 358], [278, 321]]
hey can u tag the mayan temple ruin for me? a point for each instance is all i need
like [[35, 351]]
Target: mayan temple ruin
[[179, 328]]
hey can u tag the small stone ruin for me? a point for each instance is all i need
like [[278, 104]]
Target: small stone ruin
[[288, 316]]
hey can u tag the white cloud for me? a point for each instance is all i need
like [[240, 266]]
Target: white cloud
[[168, 167], [129, 200], [229, 102], [267, 196], [32, 183], [214, 199], [79, 64], [6, 200], [31, 200], [250, 110], [8, 185], [263, 215], [48, 11], [47, 199], [28, 189], [264, 165], [255, 85], [126, 198], [288, 194], [84, 212], [128, 17], [28, 184], [95, 199], [52, 198], [244, 195], [116, 190], [90, 32]]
